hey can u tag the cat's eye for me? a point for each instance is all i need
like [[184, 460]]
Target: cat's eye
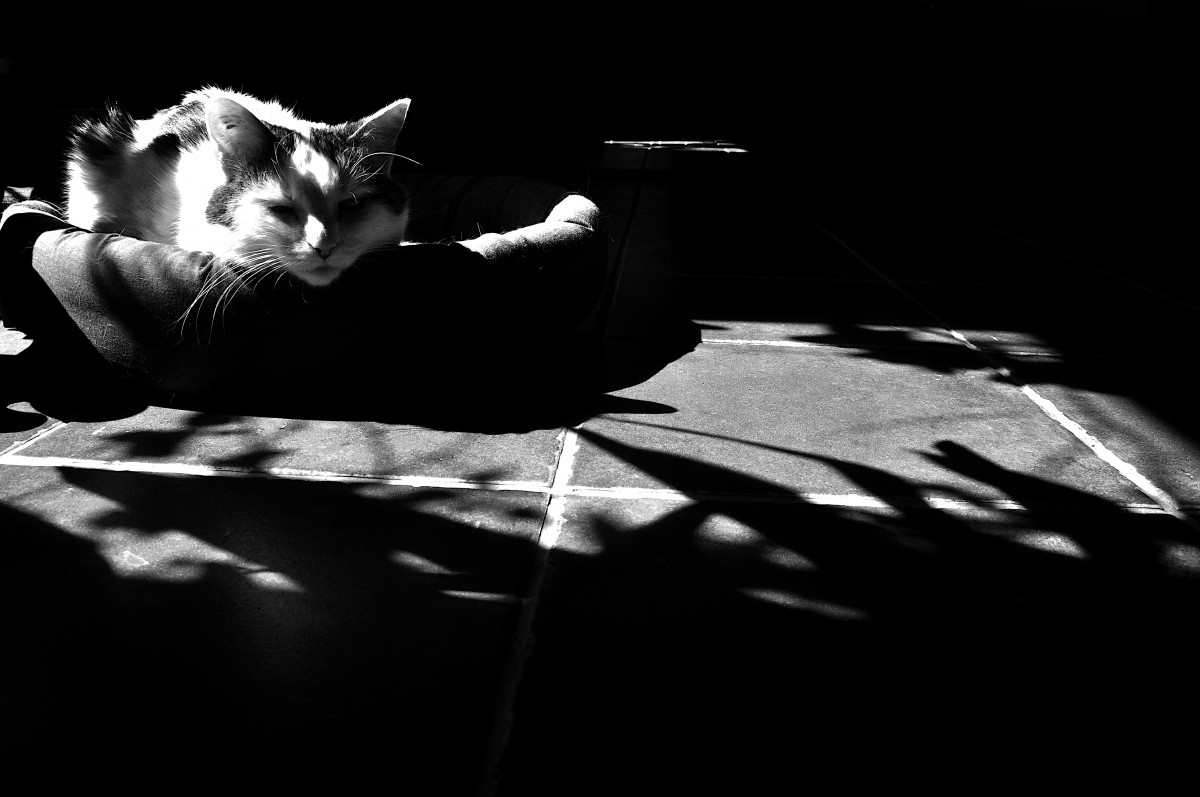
[[283, 212], [348, 205]]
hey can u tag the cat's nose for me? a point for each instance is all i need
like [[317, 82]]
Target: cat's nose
[[321, 238], [323, 242]]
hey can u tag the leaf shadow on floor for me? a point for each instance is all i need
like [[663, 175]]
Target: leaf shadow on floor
[[720, 645], [322, 633]]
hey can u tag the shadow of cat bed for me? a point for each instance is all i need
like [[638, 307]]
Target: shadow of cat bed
[[498, 313]]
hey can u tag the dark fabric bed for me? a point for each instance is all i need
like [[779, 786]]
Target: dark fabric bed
[[512, 270]]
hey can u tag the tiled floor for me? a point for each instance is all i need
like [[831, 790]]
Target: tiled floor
[[919, 507]]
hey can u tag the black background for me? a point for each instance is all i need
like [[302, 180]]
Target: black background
[[1065, 120]]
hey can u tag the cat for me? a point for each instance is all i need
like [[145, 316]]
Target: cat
[[245, 179]]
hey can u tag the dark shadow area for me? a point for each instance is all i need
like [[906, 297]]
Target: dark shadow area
[[275, 633], [63, 386], [945, 356], [257, 633], [755, 647], [459, 390]]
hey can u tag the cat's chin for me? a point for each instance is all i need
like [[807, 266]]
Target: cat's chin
[[319, 276]]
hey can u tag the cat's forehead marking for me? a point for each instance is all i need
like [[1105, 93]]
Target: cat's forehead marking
[[313, 167]]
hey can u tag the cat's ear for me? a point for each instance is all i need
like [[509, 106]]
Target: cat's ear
[[239, 135], [380, 130]]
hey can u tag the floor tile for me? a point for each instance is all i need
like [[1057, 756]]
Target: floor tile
[[1097, 317], [760, 419], [343, 447], [12, 342], [257, 631], [1141, 409], [728, 648]]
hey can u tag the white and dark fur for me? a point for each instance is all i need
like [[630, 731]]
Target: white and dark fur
[[245, 179]]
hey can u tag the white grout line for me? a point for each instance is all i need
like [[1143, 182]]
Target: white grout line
[[523, 640], [847, 500], [812, 344], [1106, 455], [1161, 497], [41, 434], [301, 474], [560, 487], [556, 492], [783, 344]]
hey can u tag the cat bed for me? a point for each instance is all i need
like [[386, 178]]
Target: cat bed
[[515, 270]]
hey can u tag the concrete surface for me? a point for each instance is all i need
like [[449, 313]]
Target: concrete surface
[[811, 539]]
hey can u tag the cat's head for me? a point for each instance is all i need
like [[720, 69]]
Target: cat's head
[[312, 200]]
